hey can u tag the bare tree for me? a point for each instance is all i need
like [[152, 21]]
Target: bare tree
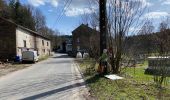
[[94, 49], [92, 19], [162, 40], [122, 15], [39, 20], [4, 9], [55, 39], [146, 38], [147, 28], [85, 18], [2, 4]]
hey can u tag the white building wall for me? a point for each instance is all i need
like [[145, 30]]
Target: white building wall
[[33, 42], [21, 36], [44, 48]]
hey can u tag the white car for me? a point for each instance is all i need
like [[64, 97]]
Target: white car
[[30, 56]]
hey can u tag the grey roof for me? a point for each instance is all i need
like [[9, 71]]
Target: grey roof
[[83, 26], [24, 28]]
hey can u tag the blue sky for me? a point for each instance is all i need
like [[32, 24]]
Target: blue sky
[[158, 10]]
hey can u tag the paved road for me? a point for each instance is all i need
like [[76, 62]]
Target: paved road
[[54, 79]]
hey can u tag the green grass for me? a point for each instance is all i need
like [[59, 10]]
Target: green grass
[[138, 74], [135, 85], [145, 64]]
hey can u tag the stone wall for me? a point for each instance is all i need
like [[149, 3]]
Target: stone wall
[[33, 42], [14, 39], [24, 36], [80, 40], [85, 38], [43, 46]]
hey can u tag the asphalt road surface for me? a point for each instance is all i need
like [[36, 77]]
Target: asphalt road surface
[[57, 78]]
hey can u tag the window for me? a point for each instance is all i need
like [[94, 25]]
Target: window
[[44, 50], [47, 43], [25, 43], [38, 52], [78, 40], [43, 42]]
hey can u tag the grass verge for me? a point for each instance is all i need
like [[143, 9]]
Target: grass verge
[[135, 85], [43, 58], [7, 68]]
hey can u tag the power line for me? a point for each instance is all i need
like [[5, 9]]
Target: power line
[[66, 6], [64, 10]]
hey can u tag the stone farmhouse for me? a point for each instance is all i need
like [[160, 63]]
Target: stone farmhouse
[[15, 38], [85, 39]]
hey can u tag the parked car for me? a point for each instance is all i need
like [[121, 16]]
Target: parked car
[[29, 56]]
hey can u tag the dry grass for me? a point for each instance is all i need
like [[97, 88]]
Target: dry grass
[[7, 68]]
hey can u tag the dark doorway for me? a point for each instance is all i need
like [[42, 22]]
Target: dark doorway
[[64, 47]]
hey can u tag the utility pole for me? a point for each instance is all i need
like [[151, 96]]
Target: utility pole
[[103, 25]]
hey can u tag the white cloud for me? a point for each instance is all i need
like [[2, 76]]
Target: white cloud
[[76, 8], [77, 11], [146, 3], [50, 10], [37, 3], [54, 3], [143, 3], [155, 15], [134, 29], [79, 7], [166, 2]]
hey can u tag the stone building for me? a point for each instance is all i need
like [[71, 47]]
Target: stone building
[[15, 38], [85, 39]]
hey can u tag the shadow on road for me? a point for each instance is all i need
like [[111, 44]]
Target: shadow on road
[[48, 93], [62, 56], [59, 62]]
